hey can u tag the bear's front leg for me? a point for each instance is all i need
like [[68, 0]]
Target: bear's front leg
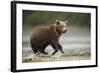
[[54, 46], [60, 48]]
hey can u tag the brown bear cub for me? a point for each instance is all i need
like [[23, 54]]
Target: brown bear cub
[[44, 36]]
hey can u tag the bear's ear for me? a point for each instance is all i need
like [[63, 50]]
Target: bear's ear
[[66, 22], [57, 22]]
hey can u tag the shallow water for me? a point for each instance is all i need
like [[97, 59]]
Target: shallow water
[[75, 42]]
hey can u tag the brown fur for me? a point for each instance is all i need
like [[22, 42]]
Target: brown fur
[[44, 36]]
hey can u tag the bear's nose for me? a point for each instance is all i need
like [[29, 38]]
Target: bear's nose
[[65, 30]]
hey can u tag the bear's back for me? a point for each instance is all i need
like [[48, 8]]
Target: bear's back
[[41, 36]]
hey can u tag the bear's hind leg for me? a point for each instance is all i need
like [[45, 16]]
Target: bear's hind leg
[[35, 51], [43, 51]]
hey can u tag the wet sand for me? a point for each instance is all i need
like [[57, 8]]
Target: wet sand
[[51, 58]]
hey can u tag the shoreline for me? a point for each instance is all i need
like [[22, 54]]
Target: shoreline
[[51, 59]]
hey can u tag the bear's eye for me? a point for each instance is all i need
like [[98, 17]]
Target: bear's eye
[[58, 22]]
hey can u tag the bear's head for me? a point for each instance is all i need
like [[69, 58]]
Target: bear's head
[[61, 26]]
